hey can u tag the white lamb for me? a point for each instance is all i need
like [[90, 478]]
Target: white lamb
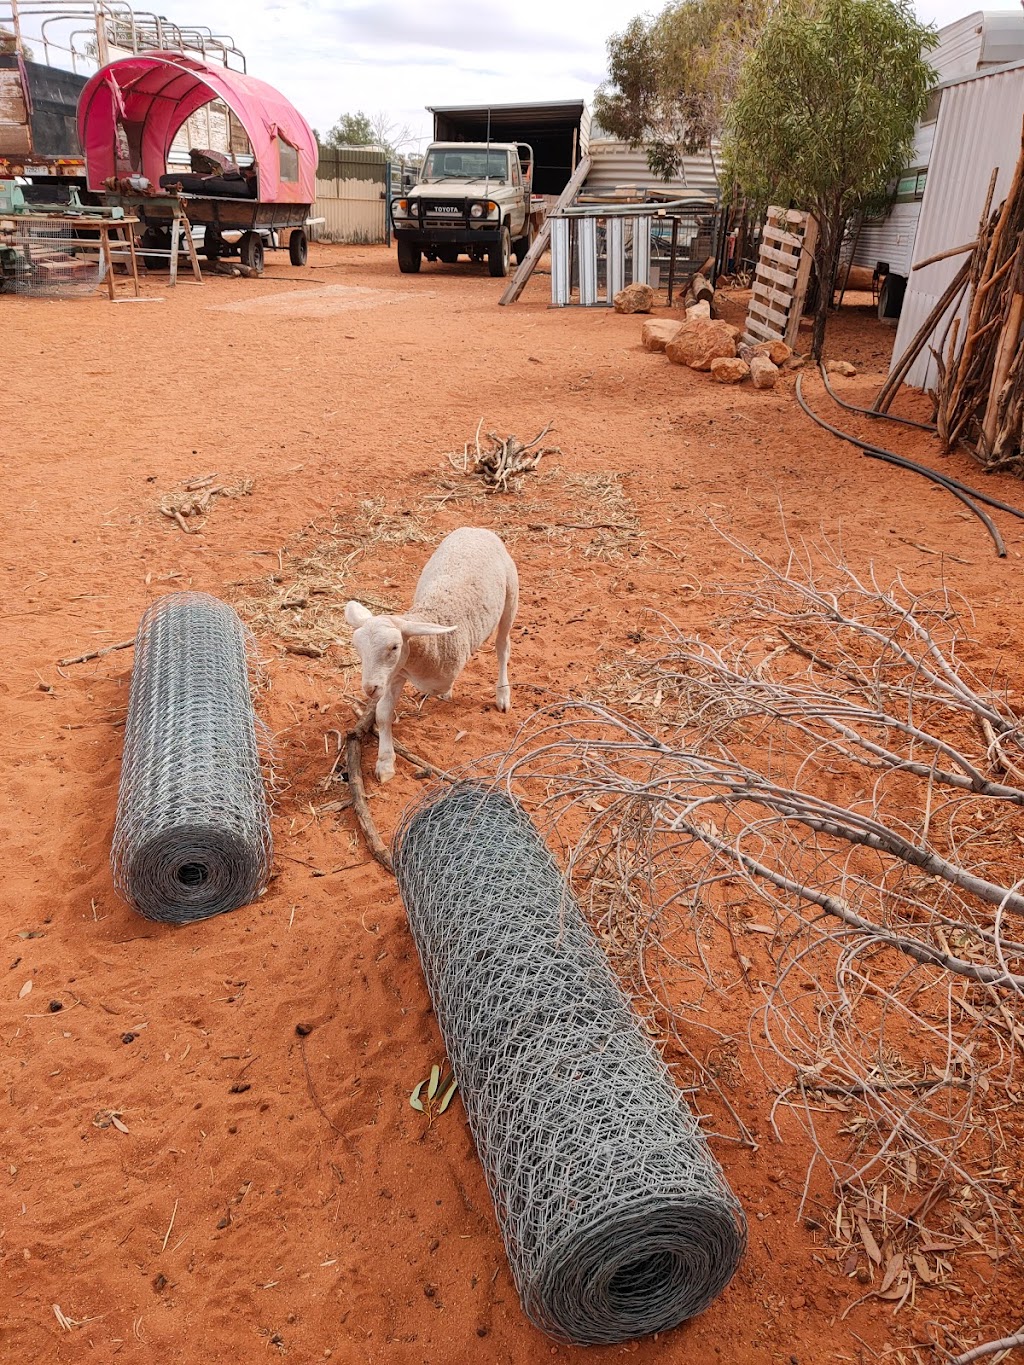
[[468, 587]]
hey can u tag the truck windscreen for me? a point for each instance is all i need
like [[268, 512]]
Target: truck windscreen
[[467, 165]]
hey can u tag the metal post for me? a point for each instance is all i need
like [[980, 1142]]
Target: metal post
[[672, 259], [642, 250], [587, 237], [561, 278], [616, 271]]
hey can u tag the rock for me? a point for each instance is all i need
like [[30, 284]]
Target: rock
[[699, 342], [842, 367], [657, 333], [635, 298], [776, 351], [728, 371], [763, 372], [796, 362], [702, 310]]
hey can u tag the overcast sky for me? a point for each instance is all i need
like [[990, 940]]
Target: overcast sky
[[335, 56]]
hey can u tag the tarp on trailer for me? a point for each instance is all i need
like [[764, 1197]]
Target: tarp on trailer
[[152, 94], [558, 132]]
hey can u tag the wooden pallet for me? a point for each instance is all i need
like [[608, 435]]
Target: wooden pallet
[[780, 281]]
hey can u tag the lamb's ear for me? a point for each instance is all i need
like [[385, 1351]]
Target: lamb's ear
[[356, 614], [411, 628]]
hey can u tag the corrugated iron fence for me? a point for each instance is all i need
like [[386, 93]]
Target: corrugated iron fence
[[352, 195]]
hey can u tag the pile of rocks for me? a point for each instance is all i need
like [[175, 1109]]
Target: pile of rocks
[[702, 343], [706, 343]]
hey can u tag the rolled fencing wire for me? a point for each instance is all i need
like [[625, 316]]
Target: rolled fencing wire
[[192, 834], [616, 1217]]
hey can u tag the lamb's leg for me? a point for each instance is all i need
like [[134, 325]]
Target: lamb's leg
[[504, 647], [385, 717]]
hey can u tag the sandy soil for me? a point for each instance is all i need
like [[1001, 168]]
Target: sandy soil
[[275, 1193]]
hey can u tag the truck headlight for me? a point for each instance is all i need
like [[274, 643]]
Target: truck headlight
[[476, 211], [487, 209]]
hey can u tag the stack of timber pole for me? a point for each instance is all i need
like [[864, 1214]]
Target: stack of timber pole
[[979, 396]]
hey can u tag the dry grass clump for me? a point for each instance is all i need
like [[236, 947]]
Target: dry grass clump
[[301, 602]]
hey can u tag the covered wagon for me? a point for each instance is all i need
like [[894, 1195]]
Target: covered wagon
[[128, 117]]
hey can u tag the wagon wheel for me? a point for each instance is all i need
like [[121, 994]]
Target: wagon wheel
[[250, 250], [298, 247]]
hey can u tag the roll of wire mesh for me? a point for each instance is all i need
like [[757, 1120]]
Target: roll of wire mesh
[[192, 834], [616, 1217]]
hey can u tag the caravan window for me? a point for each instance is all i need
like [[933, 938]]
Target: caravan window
[[911, 186], [288, 160]]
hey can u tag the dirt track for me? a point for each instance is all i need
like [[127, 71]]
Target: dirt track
[[312, 1213]]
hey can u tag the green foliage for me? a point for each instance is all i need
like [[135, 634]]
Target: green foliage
[[825, 113], [671, 78], [828, 101], [351, 130]]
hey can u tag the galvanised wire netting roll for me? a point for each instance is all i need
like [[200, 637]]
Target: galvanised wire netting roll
[[616, 1217], [192, 835]]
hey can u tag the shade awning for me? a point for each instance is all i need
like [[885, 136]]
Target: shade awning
[[155, 92]]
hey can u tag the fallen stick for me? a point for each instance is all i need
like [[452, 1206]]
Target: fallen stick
[[421, 762], [354, 760], [95, 654]]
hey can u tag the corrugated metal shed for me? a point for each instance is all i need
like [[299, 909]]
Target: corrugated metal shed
[[959, 48], [984, 38], [979, 128], [890, 240], [557, 130], [615, 164]]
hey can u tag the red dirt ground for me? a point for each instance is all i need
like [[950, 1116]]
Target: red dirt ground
[[312, 1214]]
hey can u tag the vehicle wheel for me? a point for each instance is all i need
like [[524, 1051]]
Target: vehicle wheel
[[523, 245], [499, 258], [448, 254], [250, 251], [298, 247], [409, 257], [157, 240]]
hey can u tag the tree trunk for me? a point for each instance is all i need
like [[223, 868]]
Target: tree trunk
[[826, 261]]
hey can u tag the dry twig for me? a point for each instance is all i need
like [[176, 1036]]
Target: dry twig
[[504, 459]]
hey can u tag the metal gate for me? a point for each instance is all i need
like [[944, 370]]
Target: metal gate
[[597, 249]]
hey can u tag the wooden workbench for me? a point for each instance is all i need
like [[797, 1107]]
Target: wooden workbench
[[102, 244]]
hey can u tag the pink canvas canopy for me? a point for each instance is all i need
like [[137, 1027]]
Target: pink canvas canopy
[[153, 93]]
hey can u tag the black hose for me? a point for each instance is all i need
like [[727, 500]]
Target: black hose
[[870, 412], [881, 452], [959, 491]]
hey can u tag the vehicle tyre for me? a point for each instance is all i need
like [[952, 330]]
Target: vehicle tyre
[[409, 257], [499, 257], [523, 245], [298, 247], [250, 251], [448, 254], [157, 240]]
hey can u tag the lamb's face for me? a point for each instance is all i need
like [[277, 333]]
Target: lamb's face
[[382, 649]]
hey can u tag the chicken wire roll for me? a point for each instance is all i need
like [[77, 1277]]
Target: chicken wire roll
[[192, 834], [616, 1217]]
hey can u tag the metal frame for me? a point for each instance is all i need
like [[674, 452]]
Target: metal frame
[[626, 231]]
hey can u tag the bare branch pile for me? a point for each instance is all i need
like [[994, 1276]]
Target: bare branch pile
[[505, 458], [842, 799]]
